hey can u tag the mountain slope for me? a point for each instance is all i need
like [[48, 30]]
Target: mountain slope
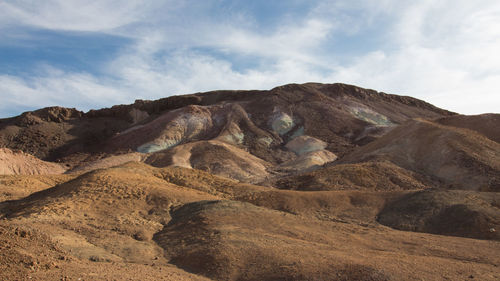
[[18, 162], [457, 213], [134, 217], [301, 182], [331, 119], [460, 158]]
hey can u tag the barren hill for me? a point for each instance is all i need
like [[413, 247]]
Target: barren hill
[[20, 163], [164, 217], [301, 182], [288, 129], [459, 158]]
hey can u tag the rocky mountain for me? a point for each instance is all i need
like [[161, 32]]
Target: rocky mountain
[[246, 135], [301, 182]]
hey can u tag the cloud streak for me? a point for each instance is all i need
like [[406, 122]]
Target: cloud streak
[[73, 15]]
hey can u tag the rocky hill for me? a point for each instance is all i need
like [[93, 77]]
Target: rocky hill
[[301, 182], [246, 135]]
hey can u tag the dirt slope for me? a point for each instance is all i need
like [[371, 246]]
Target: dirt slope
[[136, 221], [377, 176], [215, 157], [485, 124], [29, 254], [18, 162], [124, 200], [106, 162], [228, 240], [457, 213], [358, 207], [460, 158], [13, 187]]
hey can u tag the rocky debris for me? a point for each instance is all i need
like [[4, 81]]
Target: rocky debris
[[55, 114]]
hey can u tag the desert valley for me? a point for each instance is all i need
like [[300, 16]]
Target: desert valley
[[301, 182]]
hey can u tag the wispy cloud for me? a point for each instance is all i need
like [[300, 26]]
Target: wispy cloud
[[56, 87], [444, 52], [73, 15]]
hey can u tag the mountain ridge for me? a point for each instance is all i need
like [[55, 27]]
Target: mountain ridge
[[301, 182]]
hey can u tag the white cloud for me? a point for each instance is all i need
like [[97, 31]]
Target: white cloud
[[186, 72], [297, 41], [57, 88], [444, 52], [74, 15]]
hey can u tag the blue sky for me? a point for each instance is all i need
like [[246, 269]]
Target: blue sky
[[92, 54]]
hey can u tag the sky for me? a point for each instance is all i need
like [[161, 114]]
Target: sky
[[93, 54]]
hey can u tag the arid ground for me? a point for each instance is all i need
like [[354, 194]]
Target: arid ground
[[301, 182]]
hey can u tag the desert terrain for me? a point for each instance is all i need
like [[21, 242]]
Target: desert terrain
[[301, 182]]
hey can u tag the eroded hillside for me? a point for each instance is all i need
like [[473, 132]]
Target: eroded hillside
[[302, 182]]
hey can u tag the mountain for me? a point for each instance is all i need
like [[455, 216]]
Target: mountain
[[302, 182], [289, 128]]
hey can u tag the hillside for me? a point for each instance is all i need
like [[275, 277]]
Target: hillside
[[20, 163], [301, 182], [135, 214], [459, 158], [237, 124]]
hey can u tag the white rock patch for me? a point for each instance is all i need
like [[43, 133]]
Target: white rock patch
[[234, 138], [182, 127], [309, 161], [282, 123], [266, 141], [304, 144], [369, 115], [157, 146]]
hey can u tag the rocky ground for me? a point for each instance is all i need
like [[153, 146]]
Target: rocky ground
[[302, 182]]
